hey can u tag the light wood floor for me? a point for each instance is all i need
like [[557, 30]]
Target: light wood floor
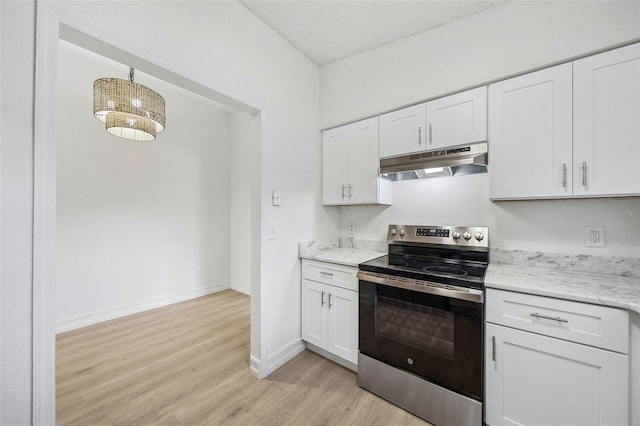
[[188, 364]]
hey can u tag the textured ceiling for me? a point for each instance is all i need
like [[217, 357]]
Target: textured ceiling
[[328, 30]]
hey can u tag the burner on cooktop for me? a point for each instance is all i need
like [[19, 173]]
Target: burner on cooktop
[[445, 271]]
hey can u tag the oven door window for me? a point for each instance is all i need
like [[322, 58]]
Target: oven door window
[[435, 337], [430, 330]]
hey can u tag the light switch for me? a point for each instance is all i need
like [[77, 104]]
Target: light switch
[[275, 197]]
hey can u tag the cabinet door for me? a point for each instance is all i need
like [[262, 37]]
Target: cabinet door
[[537, 380], [607, 123], [314, 313], [334, 185], [530, 135], [363, 162], [402, 131], [457, 119], [343, 323]]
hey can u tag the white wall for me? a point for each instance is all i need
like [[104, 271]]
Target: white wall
[[16, 156], [240, 202], [509, 39], [136, 220]]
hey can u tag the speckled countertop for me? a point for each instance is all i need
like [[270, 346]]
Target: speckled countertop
[[567, 277], [343, 251]]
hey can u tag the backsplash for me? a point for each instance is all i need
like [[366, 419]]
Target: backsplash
[[607, 265]]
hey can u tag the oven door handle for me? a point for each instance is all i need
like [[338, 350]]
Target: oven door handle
[[471, 295]]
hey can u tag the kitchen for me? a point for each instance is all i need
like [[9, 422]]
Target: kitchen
[[486, 47]]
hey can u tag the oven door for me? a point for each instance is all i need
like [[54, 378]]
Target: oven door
[[433, 336]]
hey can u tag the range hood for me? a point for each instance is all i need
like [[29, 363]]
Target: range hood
[[455, 161]]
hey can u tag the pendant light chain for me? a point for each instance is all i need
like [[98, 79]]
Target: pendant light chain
[[131, 71]]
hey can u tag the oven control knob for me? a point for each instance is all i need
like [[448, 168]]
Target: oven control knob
[[455, 235], [393, 231], [479, 236], [402, 232], [466, 236]]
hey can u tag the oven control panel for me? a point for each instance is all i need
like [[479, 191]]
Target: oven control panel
[[465, 236]]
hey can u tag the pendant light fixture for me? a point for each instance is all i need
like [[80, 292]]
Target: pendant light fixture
[[129, 110]]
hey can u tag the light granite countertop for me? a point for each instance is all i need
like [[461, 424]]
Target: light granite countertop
[[574, 283], [344, 256], [342, 251]]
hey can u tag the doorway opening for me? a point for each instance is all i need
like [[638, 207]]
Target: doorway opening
[[55, 30]]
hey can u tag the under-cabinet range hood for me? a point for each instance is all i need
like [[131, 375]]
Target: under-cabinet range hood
[[455, 161]]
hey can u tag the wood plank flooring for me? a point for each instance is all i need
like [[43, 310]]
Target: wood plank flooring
[[188, 364]]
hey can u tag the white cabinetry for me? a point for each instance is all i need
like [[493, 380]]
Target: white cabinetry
[[530, 135], [350, 165], [402, 131], [457, 119], [330, 308], [555, 362], [606, 114], [572, 130], [449, 121]]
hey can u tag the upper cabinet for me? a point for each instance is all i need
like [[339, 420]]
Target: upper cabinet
[[606, 123], [530, 134], [568, 131], [452, 120], [402, 131], [457, 119], [350, 165]]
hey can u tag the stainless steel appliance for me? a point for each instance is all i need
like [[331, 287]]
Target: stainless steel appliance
[[420, 322], [452, 161]]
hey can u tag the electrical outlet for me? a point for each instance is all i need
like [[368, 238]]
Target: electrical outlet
[[594, 236], [273, 231], [198, 272], [352, 228]]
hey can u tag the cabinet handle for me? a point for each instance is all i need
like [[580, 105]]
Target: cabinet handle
[[329, 274], [564, 175], [330, 301], [583, 168], [537, 315], [322, 299], [493, 348], [430, 135], [343, 194], [419, 135], [350, 188]]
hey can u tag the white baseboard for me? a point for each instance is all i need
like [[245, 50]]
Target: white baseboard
[[79, 321], [284, 355], [241, 287], [254, 366]]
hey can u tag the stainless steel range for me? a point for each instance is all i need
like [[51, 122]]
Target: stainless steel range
[[420, 322]]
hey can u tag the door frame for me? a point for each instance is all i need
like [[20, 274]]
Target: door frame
[[53, 24]]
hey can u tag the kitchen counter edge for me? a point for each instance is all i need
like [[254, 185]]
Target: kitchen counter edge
[[607, 290]]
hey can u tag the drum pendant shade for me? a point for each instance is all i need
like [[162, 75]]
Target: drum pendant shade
[[129, 110]]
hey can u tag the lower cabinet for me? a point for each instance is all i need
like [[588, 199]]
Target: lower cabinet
[[330, 319], [330, 308], [535, 379]]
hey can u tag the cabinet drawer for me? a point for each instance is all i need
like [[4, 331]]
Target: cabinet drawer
[[330, 273], [593, 325]]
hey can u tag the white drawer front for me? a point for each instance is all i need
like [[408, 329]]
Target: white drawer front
[[593, 325], [330, 273]]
